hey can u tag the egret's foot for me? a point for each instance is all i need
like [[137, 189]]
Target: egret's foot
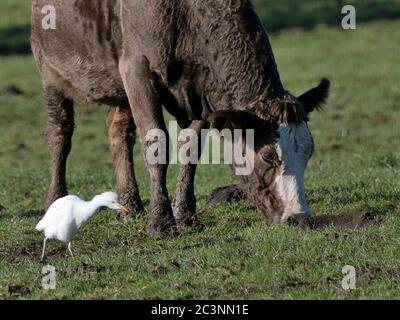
[[161, 221], [133, 202]]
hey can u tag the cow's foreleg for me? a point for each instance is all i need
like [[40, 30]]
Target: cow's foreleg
[[147, 111], [185, 200], [60, 127], [121, 133]]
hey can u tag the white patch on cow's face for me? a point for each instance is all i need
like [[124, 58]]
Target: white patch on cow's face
[[294, 148]]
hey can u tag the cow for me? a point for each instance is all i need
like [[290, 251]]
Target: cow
[[206, 62]]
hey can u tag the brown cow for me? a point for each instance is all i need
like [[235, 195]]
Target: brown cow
[[207, 61]]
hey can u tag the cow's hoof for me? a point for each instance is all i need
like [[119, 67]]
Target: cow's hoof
[[161, 225], [302, 221], [189, 220], [133, 211], [133, 203]]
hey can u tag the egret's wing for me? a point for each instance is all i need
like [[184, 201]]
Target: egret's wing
[[57, 211]]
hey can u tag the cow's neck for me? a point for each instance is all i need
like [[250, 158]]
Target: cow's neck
[[240, 57]]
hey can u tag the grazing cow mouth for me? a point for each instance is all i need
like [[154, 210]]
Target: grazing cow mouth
[[276, 186], [283, 147]]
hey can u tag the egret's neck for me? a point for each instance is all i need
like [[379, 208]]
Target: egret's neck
[[89, 209]]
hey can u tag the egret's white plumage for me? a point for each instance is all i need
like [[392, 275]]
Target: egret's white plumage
[[67, 215]]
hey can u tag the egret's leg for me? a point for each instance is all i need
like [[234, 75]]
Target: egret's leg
[[70, 249], [44, 248]]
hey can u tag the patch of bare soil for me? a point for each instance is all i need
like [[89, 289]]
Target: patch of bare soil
[[17, 290], [33, 250], [13, 90], [230, 194], [85, 269], [345, 221], [352, 220]]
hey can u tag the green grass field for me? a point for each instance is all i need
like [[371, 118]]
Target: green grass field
[[236, 256]]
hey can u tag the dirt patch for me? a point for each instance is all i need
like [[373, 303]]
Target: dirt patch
[[230, 194], [33, 250], [85, 269], [17, 290], [21, 147], [345, 221], [380, 117], [352, 220], [13, 90]]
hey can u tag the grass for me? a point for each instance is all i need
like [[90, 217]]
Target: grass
[[307, 14], [356, 166]]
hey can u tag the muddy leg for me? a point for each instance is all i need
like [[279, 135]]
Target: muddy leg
[[185, 200], [60, 127], [122, 134], [147, 111]]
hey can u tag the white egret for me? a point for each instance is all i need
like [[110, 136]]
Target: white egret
[[67, 215]]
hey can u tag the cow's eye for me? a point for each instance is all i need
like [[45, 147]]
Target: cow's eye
[[268, 158]]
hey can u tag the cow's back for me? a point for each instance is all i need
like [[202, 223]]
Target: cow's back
[[81, 54]]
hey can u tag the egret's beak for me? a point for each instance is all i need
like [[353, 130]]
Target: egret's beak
[[123, 208]]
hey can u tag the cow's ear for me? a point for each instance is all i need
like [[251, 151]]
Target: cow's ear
[[234, 119], [316, 97]]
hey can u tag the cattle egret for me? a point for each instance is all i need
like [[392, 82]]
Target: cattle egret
[[67, 215]]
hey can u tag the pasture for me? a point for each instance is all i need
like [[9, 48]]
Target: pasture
[[236, 255]]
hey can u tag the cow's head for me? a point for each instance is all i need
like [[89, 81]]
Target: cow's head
[[282, 148]]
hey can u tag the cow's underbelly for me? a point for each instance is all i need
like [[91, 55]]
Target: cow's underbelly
[[89, 83], [80, 56]]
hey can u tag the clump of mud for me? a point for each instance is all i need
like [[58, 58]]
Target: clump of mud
[[17, 290], [13, 90], [352, 220], [345, 221], [231, 194], [33, 250]]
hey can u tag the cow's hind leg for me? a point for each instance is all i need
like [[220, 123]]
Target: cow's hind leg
[[122, 132], [185, 200], [60, 127], [147, 111]]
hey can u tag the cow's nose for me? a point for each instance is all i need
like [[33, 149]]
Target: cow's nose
[[304, 213], [308, 212], [300, 220]]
